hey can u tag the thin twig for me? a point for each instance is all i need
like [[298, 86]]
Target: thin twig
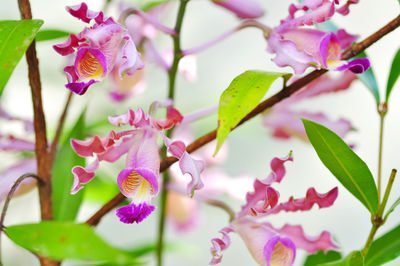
[[9, 197], [284, 93], [61, 120]]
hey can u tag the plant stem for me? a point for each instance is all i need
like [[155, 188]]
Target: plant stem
[[268, 103], [382, 110], [377, 220], [171, 95]]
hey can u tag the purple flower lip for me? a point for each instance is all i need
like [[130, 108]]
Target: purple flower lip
[[134, 213]]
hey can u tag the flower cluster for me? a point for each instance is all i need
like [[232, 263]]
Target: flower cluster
[[99, 49], [269, 245], [300, 47], [139, 179]]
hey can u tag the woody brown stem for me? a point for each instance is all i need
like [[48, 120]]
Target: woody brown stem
[[268, 103]]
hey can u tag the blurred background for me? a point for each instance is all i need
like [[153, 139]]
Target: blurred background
[[250, 147]]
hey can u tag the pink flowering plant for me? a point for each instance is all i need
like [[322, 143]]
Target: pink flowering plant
[[133, 155]]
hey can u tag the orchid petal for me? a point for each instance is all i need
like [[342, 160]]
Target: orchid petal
[[130, 58], [310, 244], [83, 175], [83, 13], [242, 8], [220, 244], [344, 10], [279, 251], [11, 174], [80, 87], [345, 39], [174, 117], [90, 64], [134, 213], [11, 143], [68, 47], [357, 66]]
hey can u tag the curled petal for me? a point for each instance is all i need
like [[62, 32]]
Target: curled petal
[[71, 74], [323, 200], [174, 117], [80, 87], [278, 170], [137, 119], [130, 58], [344, 10], [242, 8], [83, 13], [134, 213], [220, 244], [68, 47], [83, 175], [357, 66], [310, 244], [88, 147]]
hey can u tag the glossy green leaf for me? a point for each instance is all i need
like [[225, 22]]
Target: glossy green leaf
[[243, 94], [369, 80], [51, 34], [344, 164], [355, 258], [384, 249], [15, 38], [393, 75], [322, 257], [65, 205], [64, 240]]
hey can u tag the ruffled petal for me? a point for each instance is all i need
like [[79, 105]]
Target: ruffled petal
[[83, 175], [174, 117], [134, 213], [137, 119], [310, 244], [220, 244], [68, 47], [242, 8], [83, 13], [344, 10]]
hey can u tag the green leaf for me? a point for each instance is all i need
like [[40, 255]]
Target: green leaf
[[385, 248], [51, 34], [243, 95], [15, 38], [369, 80], [393, 75], [64, 240], [355, 258], [344, 164], [322, 257], [65, 205]]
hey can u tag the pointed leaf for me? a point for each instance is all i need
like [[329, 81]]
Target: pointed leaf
[[15, 38], [384, 249], [355, 258], [393, 75], [343, 163], [322, 257], [50, 34], [65, 205], [59, 241], [369, 80], [243, 94]]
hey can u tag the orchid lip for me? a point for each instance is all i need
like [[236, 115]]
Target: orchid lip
[[90, 64]]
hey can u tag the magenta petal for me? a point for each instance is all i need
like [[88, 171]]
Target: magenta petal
[[71, 74], [242, 8], [83, 13], [310, 244], [220, 244], [174, 117], [80, 87], [88, 147], [134, 213], [68, 47], [83, 175], [130, 59], [345, 39], [323, 200], [357, 66]]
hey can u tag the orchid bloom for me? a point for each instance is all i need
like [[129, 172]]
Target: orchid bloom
[[242, 8], [97, 48], [285, 122], [300, 47], [138, 181], [269, 245]]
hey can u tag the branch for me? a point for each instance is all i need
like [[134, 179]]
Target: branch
[[44, 169], [268, 103]]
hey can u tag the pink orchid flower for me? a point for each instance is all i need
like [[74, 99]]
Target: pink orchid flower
[[267, 244], [97, 48], [300, 47], [138, 181], [285, 122], [242, 8]]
